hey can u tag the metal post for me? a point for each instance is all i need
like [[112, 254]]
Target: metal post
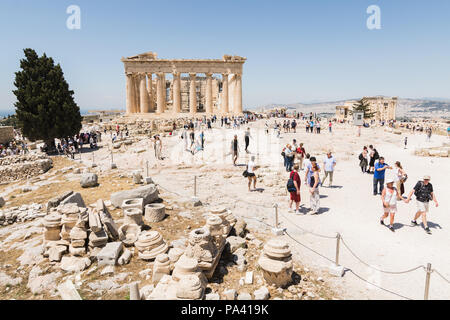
[[112, 157], [195, 186], [146, 167], [276, 215], [427, 281], [93, 158], [338, 243]]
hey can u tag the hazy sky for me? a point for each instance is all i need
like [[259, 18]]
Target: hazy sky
[[298, 51]]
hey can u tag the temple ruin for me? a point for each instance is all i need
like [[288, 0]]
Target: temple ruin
[[384, 108], [189, 94]]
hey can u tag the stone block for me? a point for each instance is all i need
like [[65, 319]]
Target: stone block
[[230, 294], [110, 253], [75, 198], [148, 193], [67, 291], [244, 296], [261, 294], [155, 212], [56, 253], [136, 203], [89, 180], [125, 257], [235, 243], [249, 277]]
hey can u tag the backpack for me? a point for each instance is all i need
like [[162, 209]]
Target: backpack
[[290, 185], [421, 193]]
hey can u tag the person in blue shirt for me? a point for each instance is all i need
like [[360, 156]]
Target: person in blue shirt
[[378, 176]]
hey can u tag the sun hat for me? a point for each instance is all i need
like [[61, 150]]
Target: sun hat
[[426, 177], [389, 180]]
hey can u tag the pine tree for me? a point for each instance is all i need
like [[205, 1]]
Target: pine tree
[[45, 107], [363, 106]]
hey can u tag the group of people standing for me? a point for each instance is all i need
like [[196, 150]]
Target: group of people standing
[[312, 181]]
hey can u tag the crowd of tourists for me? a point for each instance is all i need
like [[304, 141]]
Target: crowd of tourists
[[13, 148]]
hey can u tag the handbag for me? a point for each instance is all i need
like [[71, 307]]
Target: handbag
[[291, 186], [245, 173]]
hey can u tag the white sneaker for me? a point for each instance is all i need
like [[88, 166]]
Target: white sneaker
[[298, 212], [291, 210]]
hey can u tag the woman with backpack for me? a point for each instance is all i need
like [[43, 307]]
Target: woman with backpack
[[294, 189], [314, 183], [363, 160]]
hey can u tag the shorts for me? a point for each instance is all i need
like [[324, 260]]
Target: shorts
[[294, 196], [250, 175], [422, 206], [390, 209]]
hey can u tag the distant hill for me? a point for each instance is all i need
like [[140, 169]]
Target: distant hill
[[406, 107]]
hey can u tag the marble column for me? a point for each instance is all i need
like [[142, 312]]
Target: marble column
[[136, 108], [231, 93], [238, 95], [161, 93], [224, 102], [192, 94], [130, 97], [150, 92], [144, 101], [209, 106], [176, 92]]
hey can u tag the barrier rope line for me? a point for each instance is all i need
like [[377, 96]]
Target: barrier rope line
[[308, 247], [440, 275], [307, 231], [380, 270], [381, 288]]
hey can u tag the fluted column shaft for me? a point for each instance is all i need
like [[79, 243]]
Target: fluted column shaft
[[136, 107], [176, 92], [192, 94], [144, 101], [232, 92], [150, 92], [224, 105], [209, 106], [238, 95], [129, 93], [161, 94]]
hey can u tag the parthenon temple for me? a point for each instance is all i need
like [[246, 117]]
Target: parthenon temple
[[189, 94]]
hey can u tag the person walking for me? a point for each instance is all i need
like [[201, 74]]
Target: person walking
[[157, 145], [235, 149], [389, 198], [329, 163], [423, 190], [310, 162], [400, 178], [247, 139], [405, 142], [301, 155], [251, 167], [314, 183], [330, 127], [378, 176], [295, 195], [363, 160], [289, 155]]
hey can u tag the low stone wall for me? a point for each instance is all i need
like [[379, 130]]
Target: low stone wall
[[24, 167], [6, 134], [443, 152]]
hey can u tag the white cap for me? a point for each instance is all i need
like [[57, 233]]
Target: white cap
[[389, 180]]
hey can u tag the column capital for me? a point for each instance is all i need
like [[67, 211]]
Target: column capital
[[208, 74], [192, 75], [176, 74]]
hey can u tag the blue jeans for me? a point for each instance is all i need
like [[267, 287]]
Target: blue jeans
[[376, 182], [289, 163]]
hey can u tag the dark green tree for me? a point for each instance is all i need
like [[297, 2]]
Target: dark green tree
[[45, 107], [363, 106]]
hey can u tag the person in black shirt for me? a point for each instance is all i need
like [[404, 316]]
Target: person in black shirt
[[423, 190], [234, 149]]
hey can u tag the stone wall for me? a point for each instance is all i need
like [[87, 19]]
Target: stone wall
[[6, 134], [24, 167]]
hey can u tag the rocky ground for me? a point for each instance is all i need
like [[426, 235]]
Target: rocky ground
[[26, 274]]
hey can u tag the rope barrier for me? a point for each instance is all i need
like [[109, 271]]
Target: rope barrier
[[380, 270], [440, 275], [307, 231], [308, 247], [381, 288]]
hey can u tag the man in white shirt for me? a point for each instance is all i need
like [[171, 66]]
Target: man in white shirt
[[329, 163]]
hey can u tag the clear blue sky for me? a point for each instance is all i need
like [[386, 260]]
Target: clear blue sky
[[298, 50]]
